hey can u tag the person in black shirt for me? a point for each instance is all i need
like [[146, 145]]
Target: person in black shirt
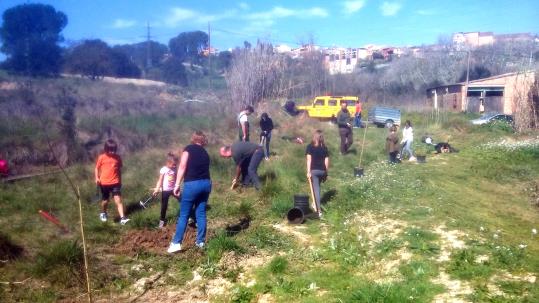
[[317, 165], [194, 171], [266, 125], [246, 155]]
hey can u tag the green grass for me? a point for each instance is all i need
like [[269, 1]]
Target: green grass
[[480, 191]]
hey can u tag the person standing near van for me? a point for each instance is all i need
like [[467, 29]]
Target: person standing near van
[[357, 115], [407, 140], [243, 123], [266, 126], [345, 128], [392, 145]]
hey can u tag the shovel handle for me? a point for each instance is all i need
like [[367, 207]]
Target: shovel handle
[[310, 179]]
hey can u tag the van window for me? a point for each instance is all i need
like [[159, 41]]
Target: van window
[[318, 102], [349, 102], [332, 102]]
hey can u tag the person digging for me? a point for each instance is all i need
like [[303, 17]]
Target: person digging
[[247, 157]]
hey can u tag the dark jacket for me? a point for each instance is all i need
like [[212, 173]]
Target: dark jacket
[[266, 125], [343, 119]]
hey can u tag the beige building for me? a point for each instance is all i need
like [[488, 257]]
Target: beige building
[[473, 39], [497, 93]]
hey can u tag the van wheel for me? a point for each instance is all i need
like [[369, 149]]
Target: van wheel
[[389, 123]]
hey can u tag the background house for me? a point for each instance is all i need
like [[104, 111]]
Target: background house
[[498, 93]]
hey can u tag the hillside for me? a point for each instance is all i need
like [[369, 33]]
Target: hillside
[[459, 228]]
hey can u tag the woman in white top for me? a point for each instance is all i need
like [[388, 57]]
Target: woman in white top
[[407, 139]]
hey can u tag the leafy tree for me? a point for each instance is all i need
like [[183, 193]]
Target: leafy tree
[[187, 46], [224, 59], [174, 72], [95, 59], [122, 66], [29, 35], [138, 53], [91, 59], [476, 72]]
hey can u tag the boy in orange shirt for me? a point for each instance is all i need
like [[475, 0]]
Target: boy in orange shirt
[[108, 176]]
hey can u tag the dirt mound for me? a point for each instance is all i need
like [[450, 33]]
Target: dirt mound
[[156, 241], [9, 250]]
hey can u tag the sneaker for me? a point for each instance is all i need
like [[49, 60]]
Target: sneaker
[[412, 158], [266, 158], [174, 247], [200, 245], [124, 220], [319, 215], [103, 217], [161, 223]]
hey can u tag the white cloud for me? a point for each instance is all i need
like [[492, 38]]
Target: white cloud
[[351, 7], [390, 8], [316, 12], [179, 14], [123, 23], [425, 12], [114, 41], [282, 12], [244, 6]]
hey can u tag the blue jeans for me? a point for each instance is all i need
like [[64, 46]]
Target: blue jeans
[[357, 121], [407, 147], [316, 176], [194, 194], [252, 176], [267, 140]]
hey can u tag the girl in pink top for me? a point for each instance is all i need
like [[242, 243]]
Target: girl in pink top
[[165, 184]]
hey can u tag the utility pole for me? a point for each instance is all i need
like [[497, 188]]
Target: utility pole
[[467, 82], [148, 48], [209, 54]]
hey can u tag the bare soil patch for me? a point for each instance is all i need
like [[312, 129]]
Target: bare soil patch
[[155, 241]]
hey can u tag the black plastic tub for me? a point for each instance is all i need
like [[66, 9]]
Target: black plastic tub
[[421, 159], [295, 216], [302, 202]]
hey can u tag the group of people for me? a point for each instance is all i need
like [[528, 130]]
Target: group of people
[[192, 169], [396, 151]]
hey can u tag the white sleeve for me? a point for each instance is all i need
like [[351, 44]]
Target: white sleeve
[[163, 170], [243, 118]]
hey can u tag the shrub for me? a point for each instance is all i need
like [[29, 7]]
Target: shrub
[[278, 265], [61, 263], [220, 244]]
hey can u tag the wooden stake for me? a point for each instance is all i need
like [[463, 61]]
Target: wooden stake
[[363, 144], [310, 179], [84, 249]]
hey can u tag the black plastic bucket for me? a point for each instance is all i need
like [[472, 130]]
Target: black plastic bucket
[[358, 171], [421, 159], [302, 202], [295, 216]]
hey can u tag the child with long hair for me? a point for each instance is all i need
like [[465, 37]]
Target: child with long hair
[[165, 184], [317, 165]]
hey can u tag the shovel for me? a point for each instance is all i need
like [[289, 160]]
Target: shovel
[[358, 171], [312, 195], [144, 203]]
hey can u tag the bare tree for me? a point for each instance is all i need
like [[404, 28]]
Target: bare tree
[[255, 74]]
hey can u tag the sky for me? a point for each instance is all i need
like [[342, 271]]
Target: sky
[[353, 23]]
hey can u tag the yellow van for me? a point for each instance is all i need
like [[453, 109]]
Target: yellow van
[[327, 107]]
